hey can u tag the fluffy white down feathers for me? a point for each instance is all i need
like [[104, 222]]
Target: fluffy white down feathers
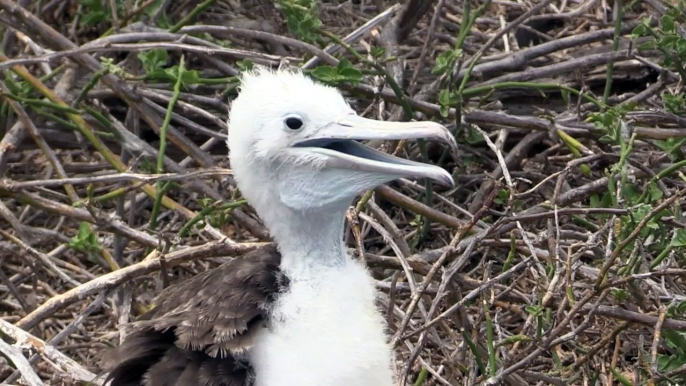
[[325, 331]]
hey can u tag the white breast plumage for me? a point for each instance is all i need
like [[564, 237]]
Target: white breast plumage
[[325, 330]]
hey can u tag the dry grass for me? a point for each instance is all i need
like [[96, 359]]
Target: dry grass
[[558, 259]]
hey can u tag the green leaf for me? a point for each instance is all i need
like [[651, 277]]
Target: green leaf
[[292, 23], [445, 61], [153, 60], [639, 30], [594, 201], [654, 192], [85, 241], [444, 97], [325, 73], [675, 339], [667, 363], [671, 146], [94, 5], [440, 65], [502, 197], [535, 310], [152, 9], [473, 136], [344, 63], [630, 193], [640, 212], [445, 111], [669, 41], [190, 77], [620, 294], [95, 12], [301, 18], [606, 202], [93, 18], [351, 75], [647, 46], [679, 239], [565, 96], [306, 26], [245, 64], [667, 24], [674, 103], [343, 72], [378, 52], [681, 49], [84, 231], [677, 311]]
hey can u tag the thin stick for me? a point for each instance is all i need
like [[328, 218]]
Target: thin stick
[[63, 362]]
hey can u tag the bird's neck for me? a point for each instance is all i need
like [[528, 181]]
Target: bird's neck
[[309, 240]]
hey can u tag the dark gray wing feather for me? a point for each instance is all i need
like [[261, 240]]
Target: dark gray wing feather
[[196, 333]]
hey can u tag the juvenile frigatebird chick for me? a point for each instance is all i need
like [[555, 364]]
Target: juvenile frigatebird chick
[[305, 314]]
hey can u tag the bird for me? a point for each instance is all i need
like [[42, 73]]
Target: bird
[[301, 311]]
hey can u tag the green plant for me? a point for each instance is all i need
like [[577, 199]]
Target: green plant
[[86, 242], [620, 294], [245, 64], [213, 212], [98, 11], [154, 62], [301, 18], [216, 217], [666, 38], [610, 122], [446, 61], [503, 197], [343, 72], [446, 99], [675, 104], [676, 340], [672, 146]]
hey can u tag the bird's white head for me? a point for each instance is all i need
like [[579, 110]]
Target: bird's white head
[[293, 146], [300, 136]]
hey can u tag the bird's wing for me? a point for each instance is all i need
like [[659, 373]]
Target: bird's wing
[[199, 329]]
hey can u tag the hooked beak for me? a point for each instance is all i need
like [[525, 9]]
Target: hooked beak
[[337, 144]]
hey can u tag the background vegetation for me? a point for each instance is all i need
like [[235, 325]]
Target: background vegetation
[[558, 258]]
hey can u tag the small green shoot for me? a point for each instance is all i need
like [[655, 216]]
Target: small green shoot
[[86, 242], [672, 146], [301, 18], [676, 104], [97, 12], [245, 64], [342, 73], [666, 38], [676, 340], [621, 295], [446, 60]]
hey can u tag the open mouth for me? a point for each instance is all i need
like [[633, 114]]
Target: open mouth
[[335, 144], [352, 155], [353, 148]]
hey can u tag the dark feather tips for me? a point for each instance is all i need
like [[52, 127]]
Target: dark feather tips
[[200, 327]]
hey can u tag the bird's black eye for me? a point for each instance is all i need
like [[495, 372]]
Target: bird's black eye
[[294, 123]]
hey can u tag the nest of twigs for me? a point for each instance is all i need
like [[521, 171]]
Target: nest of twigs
[[558, 258]]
